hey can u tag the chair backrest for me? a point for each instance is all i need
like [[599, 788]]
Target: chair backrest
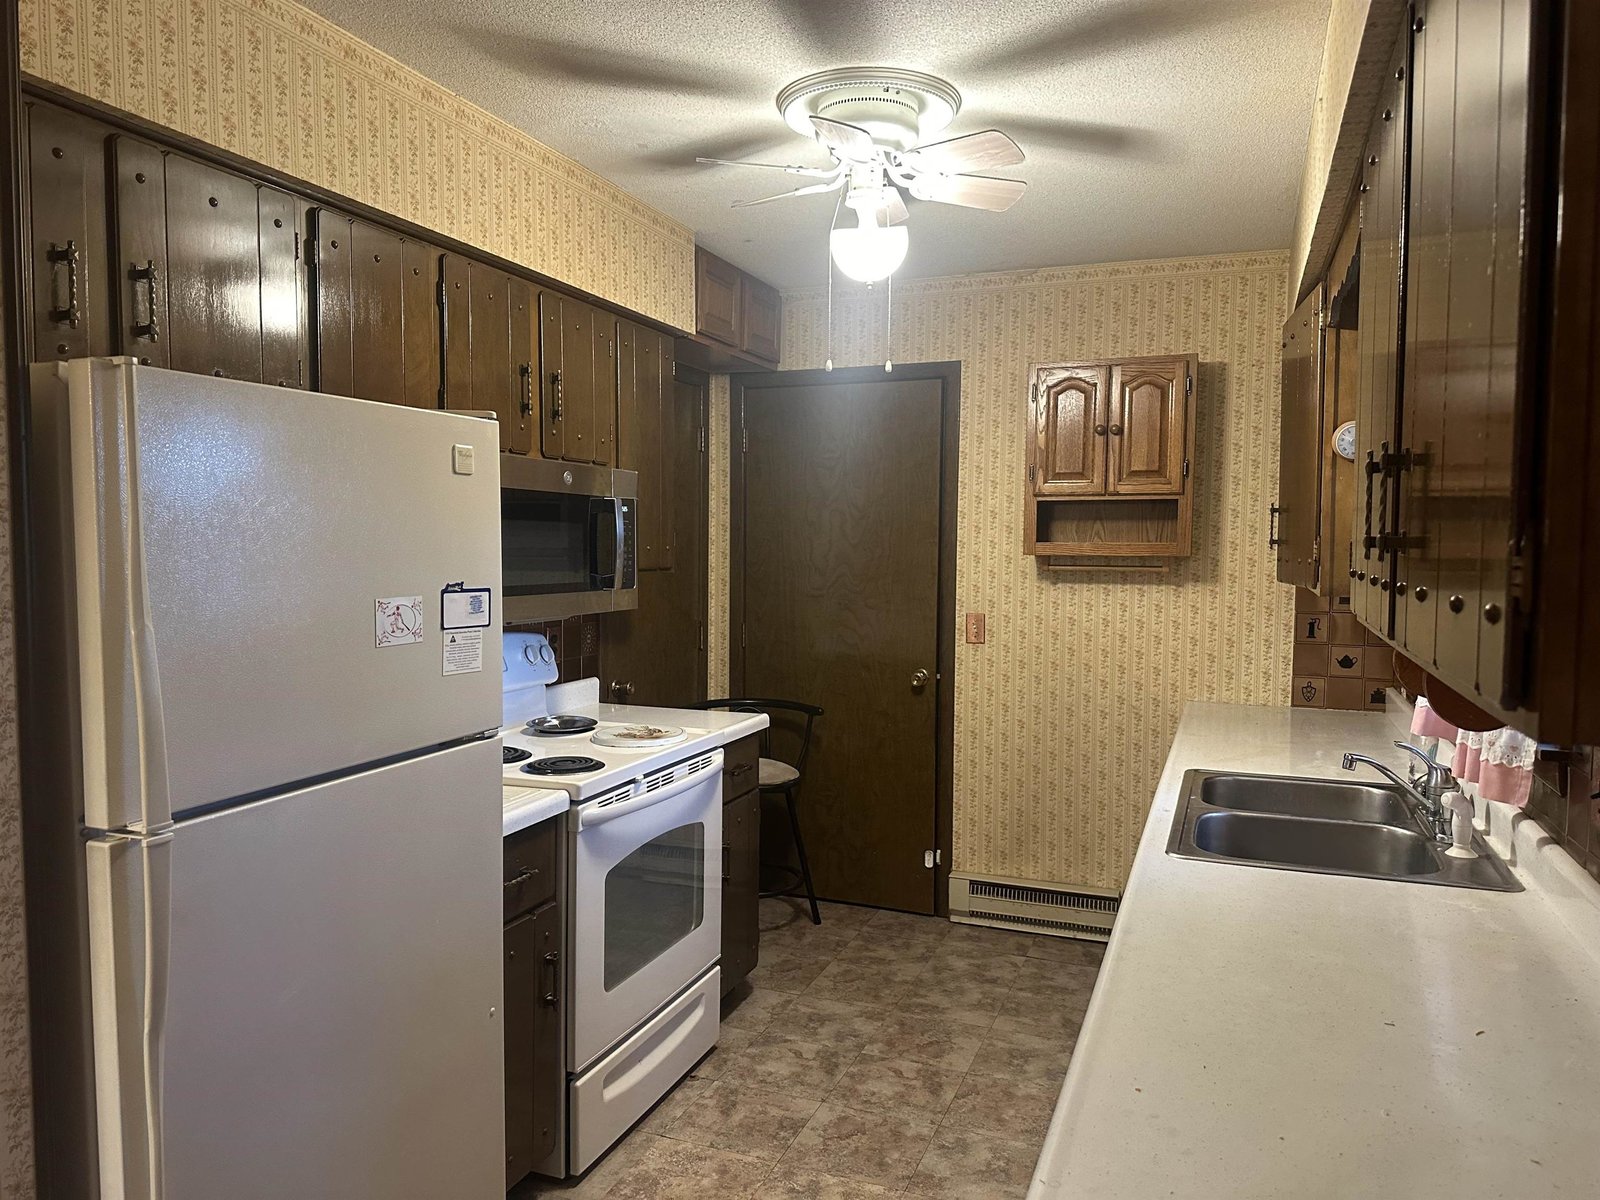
[[770, 706]]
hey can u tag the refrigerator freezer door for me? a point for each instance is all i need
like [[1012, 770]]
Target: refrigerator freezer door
[[232, 543], [310, 1005]]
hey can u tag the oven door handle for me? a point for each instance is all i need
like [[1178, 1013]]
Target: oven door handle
[[589, 816]]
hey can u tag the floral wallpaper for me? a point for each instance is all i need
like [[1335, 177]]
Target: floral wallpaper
[[282, 86], [1065, 716]]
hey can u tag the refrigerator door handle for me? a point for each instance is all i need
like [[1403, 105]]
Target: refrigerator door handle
[[131, 779], [130, 935]]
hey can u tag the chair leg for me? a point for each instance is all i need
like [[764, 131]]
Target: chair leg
[[800, 852]]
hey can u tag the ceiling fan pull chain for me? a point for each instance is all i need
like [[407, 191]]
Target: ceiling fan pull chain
[[888, 325]]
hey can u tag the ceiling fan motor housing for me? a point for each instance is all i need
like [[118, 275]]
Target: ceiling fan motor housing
[[898, 108]]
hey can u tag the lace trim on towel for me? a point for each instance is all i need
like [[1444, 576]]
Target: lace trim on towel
[[1501, 747]]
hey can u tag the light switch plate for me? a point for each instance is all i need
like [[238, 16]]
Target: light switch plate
[[463, 463], [977, 629]]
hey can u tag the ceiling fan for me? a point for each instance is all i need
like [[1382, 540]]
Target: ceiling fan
[[874, 122]]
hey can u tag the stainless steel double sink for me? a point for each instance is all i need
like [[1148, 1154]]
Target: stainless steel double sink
[[1323, 826]]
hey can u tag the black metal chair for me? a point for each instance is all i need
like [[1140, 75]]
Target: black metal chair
[[776, 777]]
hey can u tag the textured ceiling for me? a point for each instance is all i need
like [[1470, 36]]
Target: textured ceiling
[[1153, 128]]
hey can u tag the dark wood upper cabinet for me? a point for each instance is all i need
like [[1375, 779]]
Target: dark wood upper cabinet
[[524, 314], [552, 377], [644, 369], [494, 387], [485, 360], [717, 298], [1301, 445], [67, 265], [283, 288], [423, 333], [1067, 453], [577, 362], [761, 310], [738, 318], [1474, 549], [139, 254], [213, 271], [605, 382]]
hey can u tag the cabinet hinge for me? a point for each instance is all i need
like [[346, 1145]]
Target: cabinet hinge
[[702, 626], [1186, 468], [700, 439], [744, 440], [1188, 385], [932, 858], [1031, 471], [297, 245], [742, 641], [1033, 392]]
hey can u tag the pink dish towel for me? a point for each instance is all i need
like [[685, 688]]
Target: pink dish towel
[[1427, 723], [1500, 762]]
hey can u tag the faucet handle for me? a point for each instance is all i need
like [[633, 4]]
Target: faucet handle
[[1439, 777]]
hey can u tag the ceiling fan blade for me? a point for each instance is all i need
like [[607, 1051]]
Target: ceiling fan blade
[[896, 207], [974, 152], [1085, 137], [970, 191], [847, 141], [735, 145], [592, 66], [813, 172], [827, 186]]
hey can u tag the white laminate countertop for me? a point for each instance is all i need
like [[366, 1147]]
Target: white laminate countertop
[[528, 806], [1260, 1034]]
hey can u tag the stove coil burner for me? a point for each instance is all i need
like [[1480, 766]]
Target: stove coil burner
[[563, 764], [560, 724], [512, 754]]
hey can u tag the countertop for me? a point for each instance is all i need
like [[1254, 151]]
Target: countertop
[[526, 806], [1259, 1033]]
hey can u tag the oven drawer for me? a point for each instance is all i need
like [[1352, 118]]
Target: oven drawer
[[620, 1088], [741, 765], [530, 867]]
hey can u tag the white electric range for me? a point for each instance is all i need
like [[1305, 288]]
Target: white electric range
[[643, 855]]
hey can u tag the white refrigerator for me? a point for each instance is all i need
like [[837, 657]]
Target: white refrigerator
[[267, 802]]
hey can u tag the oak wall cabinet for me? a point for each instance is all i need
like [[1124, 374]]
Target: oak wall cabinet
[[1110, 454], [1476, 539]]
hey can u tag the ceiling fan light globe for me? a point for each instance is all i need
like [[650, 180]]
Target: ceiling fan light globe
[[871, 252]]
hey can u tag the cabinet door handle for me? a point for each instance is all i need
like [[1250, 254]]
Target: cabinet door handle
[[151, 278], [552, 960], [727, 862], [1367, 540], [69, 255], [555, 400], [525, 406], [1100, 430], [1273, 513], [1116, 430]]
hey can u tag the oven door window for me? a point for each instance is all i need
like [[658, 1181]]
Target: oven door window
[[655, 897], [546, 543]]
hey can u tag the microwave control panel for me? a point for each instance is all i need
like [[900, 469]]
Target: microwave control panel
[[627, 553]]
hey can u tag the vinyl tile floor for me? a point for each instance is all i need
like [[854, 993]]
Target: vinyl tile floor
[[878, 1054]]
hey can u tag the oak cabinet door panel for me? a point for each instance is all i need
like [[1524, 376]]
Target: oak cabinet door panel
[[1146, 429], [1068, 449]]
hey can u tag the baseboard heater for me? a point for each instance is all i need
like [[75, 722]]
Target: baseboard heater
[[1078, 912]]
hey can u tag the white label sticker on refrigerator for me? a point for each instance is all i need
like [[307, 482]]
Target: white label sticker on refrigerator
[[463, 651], [463, 607], [399, 621]]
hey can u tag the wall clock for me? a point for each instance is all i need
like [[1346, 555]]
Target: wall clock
[[1344, 441]]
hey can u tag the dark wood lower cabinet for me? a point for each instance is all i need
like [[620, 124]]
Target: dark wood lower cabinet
[[741, 860], [534, 964]]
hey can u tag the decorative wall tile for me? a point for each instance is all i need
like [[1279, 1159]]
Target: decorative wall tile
[[277, 83], [1065, 716]]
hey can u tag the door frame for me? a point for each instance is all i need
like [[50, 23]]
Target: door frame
[[948, 374]]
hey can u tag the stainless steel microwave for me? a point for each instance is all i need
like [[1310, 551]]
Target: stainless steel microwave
[[568, 539]]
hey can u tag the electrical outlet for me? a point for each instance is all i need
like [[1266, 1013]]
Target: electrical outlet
[[977, 629]]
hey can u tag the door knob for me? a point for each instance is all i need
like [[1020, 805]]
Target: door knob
[[919, 678], [620, 690]]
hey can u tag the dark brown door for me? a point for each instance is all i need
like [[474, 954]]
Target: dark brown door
[[214, 271], [841, 553], [1300, 445], [524, 336], [283, 343], [419, 305], [762, 317], [717, 295], [1148, 421], [550, 396], [377, 321], [656, 653], [71, 306], [139, 257], [604, 382], [1068, 455]]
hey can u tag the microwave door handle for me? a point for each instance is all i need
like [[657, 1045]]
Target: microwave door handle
[[603, 553]]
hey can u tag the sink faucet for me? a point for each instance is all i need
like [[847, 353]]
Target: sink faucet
[[1428, 790]]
